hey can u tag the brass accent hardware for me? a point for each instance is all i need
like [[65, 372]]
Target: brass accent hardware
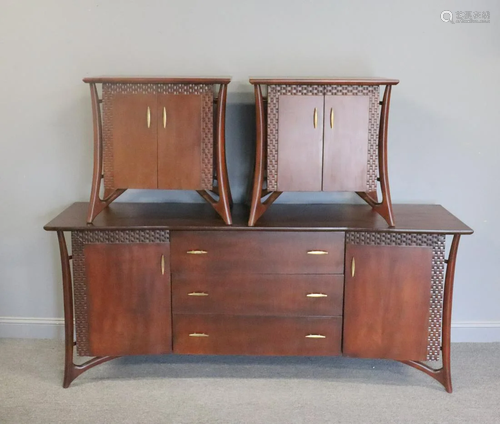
[[198, 335], [148, 117], [353, 267], [164, 117], [315, 117], [196, 252], [197, 294], [332, 117], [317, 252], [316, 295], [315, 336], [162, 264]]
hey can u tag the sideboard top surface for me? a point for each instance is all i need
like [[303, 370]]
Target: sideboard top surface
[[322, 81], [282, 217], [158, 80]]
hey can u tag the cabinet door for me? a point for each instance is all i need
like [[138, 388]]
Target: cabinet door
[[387, 301], [134, 140], [300, 143], [128, 294], [346, 143], [179, 141]]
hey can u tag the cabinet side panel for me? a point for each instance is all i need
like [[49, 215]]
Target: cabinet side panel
[[300, 140], [80, 239], [346, 143], [437, 243]]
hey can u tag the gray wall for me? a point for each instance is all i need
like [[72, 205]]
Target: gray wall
[[443, 142]]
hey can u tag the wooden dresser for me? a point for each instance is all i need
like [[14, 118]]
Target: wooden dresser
[[307, 280]]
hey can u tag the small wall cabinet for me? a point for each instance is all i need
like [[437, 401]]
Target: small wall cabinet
[[159, 133], [321, 135]]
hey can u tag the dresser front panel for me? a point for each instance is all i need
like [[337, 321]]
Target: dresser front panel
[[254, 335], [258, 294], [260, 252]]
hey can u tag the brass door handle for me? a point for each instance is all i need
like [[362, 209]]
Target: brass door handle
[[332, 117], [315, 336], [162, 264], [353, 267], [198, 335], [164, 117], [315, 119], [316, 295], [148, 117], [198, 294], [317, 252], [196, 252]]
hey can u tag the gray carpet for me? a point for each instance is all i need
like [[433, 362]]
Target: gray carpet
[[189, 389]]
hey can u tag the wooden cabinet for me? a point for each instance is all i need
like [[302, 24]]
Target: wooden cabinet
[[323, 143], [321, 135], [299, 284], [159, 133]]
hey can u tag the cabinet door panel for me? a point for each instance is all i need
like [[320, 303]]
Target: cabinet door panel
[[300, 143], [387, 301], [179, 141], [346, 143], [134, 144], [128, 299]]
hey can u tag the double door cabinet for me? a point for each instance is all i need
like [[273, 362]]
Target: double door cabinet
[[192, 287]]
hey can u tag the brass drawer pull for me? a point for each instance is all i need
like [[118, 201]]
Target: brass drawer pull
[[315, 336], [198, 335], [162, 264], [315, 117], [332, 117], [196, 252], [148, 117], [353, 267], [317, 252], [164, 117], [198, 294], [316, 295]]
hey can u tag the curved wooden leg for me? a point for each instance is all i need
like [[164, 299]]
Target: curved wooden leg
[[384, 208], [71, 370], [443, 374], [223, 204]]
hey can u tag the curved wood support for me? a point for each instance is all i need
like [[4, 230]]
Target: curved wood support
[[97, 204], [384, 208], [71, 370], [443, 374], [223, 204], [257, 207]]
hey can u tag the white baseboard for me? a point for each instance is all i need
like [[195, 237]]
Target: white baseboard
[[53, 328]]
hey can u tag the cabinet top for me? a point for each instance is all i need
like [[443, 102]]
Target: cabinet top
[[201, 216], [322, 81], [157, 80]]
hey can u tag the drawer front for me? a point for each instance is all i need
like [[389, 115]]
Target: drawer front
[[247, 335], [258, 294], [267, 252]]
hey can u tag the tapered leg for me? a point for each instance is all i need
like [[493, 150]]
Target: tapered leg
[[71, 370]]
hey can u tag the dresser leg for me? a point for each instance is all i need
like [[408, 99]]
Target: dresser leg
[[443, 374], [71, 370]]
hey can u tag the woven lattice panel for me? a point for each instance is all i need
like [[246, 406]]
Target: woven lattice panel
[[274, 91], [79, 239], [204, 90], [437, 243]]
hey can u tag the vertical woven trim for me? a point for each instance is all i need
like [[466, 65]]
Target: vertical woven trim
[[79, 239], [109, 90], [437, 243], [274, 91]]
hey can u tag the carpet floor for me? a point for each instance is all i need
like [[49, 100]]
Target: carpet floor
[[263, 390]]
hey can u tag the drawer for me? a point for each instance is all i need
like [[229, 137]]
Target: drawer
[[250, 335], [258, 294], [264, 252]]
